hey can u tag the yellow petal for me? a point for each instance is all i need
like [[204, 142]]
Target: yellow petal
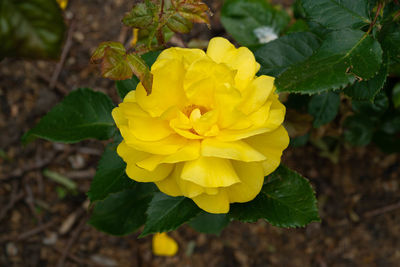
[[132, 156], [257, 93], [169, 185], [165, 146], [149, 129], [131, 96], [210, 172], [238, 150], [190, 151], [167, 90], [252, 178], [218, 203], [62, 3], [188, 56], [241, 59], [271, 145], [163, 245], [119, 117], [219, 48]]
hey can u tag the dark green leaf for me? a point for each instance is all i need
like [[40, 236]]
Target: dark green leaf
[[367, 90], [286, 200], [338, 14], [299, 25], [253, 22], [209, 223], [31, 28], [299, 141], [167, 213], [150, 57], [121, 213], [110, 176], [324, 108], [396, 95], [374, 109], [83, 114], [389, 37], [276, 56], [359, 130], [331, 65], [125, 86], [389, 143], [391, 123]]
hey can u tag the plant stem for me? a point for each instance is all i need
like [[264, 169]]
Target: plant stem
[[378, 10]]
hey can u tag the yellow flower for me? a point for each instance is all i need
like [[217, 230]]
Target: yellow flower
[[163, 245], [210, 130]]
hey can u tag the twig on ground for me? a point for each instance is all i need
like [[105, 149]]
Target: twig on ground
[[74, 258], [382, 210], [71, 241], [60, 64], [14, 198], [30, 200], [36, 230], [28, 167]]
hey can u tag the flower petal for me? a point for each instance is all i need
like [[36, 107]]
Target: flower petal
[[218, 203], [131, 156], [210, 172], [252, 178], [257, 93], [238, 150], [149, 129], [271, 145], [165, 146], [190, 151], [163, 245], [241, 59], [167, 90]]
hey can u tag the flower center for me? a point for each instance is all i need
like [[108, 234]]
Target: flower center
[[189, 109]]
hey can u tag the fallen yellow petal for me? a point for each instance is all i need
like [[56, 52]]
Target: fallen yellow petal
[[163, 245], [62, 3]]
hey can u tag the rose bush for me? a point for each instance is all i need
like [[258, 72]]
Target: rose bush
[[210, 130]]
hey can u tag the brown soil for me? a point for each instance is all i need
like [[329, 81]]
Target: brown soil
[[359, 197]]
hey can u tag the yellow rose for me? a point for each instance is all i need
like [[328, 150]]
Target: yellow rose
[[210, 130]]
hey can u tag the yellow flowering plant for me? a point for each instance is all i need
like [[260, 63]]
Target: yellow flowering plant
[[210, 130], [197, 139]]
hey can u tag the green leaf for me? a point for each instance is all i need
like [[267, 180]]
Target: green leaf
[[396, 95], [338, 14], [121, 213], [194, 10], [388, 143], [110, 176], [343, 56], [141, 15], [247, 21], [367, 90], [31, 28], [179, 24], [324, 108], [125, 86], [374, 109], [389, 37], [116, 64], [209, 223], [286, 200], [83, 114], [167, 213], [359, 130], [276, 56]]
